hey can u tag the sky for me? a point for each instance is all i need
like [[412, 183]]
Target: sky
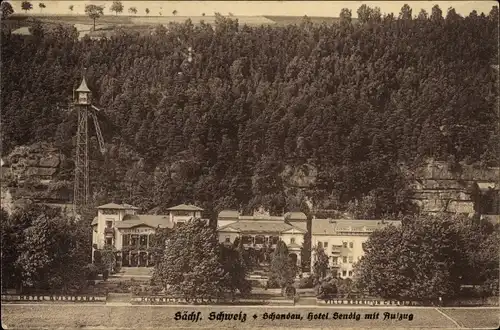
[[256, 8]]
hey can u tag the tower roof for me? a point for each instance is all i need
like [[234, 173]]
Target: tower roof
[[83, 87]]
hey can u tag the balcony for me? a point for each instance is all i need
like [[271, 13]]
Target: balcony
[[109, 232]]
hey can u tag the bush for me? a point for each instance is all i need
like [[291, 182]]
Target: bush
[[246, 288], [327, 289], [306, 283], [272, 284], [91, 272], [136, 290]]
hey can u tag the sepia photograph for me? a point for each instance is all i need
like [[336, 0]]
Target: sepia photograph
[[250, 165]]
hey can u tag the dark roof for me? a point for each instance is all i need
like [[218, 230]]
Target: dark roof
[[115, 206], [259, 226], [184, 207], [339, 226]]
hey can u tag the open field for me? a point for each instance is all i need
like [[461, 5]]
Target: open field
[[154, 20], [141, 317]]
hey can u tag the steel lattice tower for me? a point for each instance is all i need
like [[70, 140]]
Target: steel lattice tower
[[81, 188], [81, 183]]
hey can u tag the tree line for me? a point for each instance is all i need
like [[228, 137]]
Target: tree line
[[354, 99]]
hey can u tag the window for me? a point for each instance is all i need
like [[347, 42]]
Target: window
[[350, 273], [320, 245], [363, 246], [143, 241], [109, 241], [350, 259], [325, 244], [246, 239], [351, 245], [134, 240], [292, 240], [344, 260], [339, 274], [344, 273], [151, 240], [109, 224], [344, 244], [126, 240], [228, 240]]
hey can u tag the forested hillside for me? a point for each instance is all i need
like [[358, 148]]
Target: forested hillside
[[352, 101]]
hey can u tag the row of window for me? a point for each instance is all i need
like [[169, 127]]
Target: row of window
[[344, 245], [260, 240], [344, 273]]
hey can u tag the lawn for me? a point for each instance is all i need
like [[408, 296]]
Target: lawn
[[141, 317], [474, 318]]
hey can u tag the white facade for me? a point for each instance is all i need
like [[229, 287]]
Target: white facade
[[131, 234], [263, 230], [343, 241]]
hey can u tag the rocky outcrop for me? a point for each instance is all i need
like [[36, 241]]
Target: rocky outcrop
[[439, 187], [35, 173]]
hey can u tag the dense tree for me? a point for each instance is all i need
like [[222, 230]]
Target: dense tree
[[43, 249], [117, 7], [405, 13], [257, 104], [26, 5], [202, 268], [6, 9], [236, 270], [42, 6], [71, 7], [174, 12], [283, 268], [422, 15], [94, 12], [428, 257], [147, 11], [321, 263]]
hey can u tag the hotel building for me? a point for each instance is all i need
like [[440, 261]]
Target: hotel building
[[261, 230], [131, 234], [343, 241]]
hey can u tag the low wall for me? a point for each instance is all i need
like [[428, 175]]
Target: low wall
[[366, 302], [52, 298], [490, 301], [162, 300]]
